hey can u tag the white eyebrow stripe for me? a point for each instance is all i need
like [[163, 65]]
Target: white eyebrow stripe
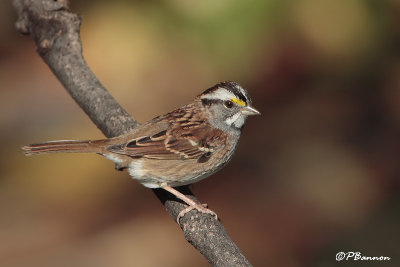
[[242, 91], [221, 94]]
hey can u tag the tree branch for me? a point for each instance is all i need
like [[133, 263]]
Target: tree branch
[[55, 31]]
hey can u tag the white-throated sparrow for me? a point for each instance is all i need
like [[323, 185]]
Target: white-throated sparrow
[[179, 148]]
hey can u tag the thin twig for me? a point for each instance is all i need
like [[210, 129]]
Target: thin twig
[[55, 31]]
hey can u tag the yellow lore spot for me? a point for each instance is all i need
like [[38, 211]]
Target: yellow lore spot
[[238, 101]]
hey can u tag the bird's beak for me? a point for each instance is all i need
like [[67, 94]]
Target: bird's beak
[[248, 111]]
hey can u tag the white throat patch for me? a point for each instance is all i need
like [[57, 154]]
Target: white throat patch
[[236, 119]]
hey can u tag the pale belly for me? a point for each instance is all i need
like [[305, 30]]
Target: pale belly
[[151, 173]]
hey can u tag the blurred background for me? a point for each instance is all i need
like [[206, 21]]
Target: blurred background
[[316, 174]]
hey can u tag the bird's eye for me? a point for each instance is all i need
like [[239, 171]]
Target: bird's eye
[[228, 104]]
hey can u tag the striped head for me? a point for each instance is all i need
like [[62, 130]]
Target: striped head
[[228, 104]]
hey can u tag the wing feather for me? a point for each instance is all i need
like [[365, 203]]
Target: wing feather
[[186, 137]]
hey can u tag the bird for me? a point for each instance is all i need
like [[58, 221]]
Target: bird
[[179, 148]]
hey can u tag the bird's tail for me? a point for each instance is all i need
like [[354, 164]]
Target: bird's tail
[[65, 146]]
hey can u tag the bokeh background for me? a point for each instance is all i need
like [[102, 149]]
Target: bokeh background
[[316, 174]]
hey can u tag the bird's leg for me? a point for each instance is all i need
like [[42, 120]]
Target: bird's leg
[[192, 205]]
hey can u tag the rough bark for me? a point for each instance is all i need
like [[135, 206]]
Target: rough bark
[[55, 30]]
